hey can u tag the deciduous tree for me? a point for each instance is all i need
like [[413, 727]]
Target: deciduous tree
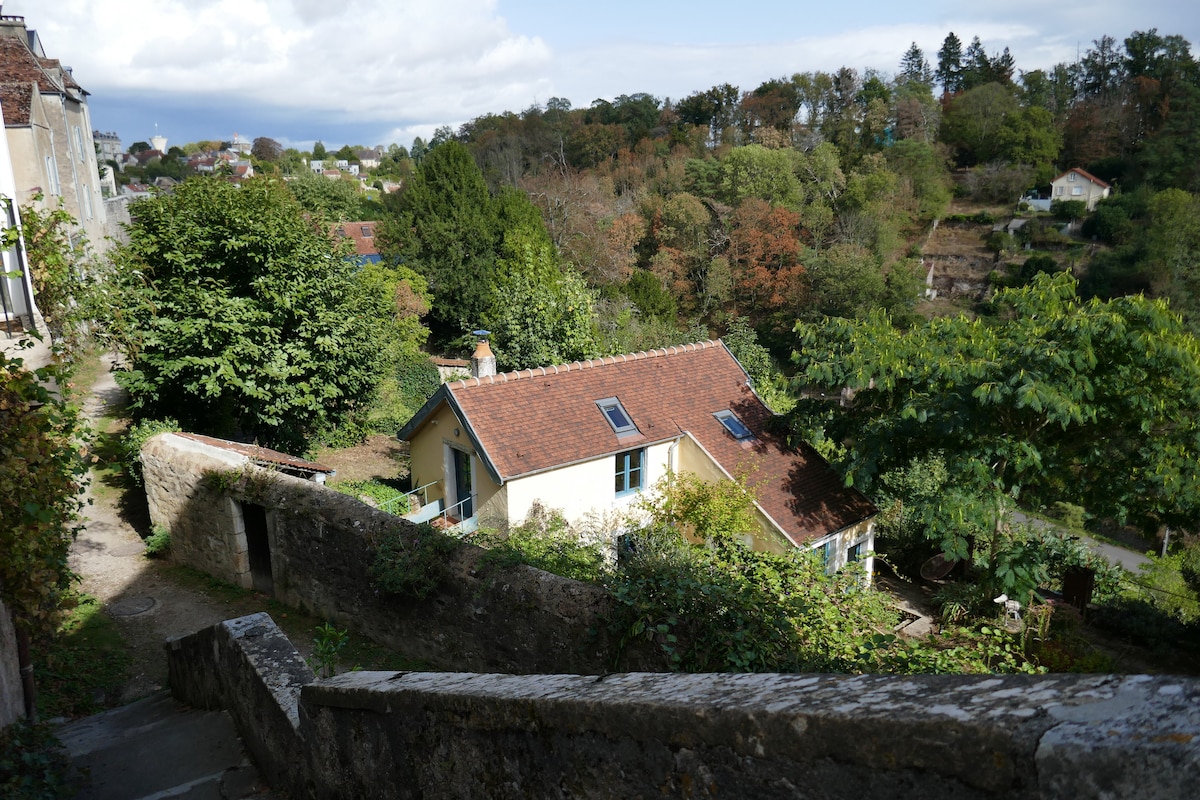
[[240, 317]]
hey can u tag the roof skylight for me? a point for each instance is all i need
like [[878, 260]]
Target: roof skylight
[[735, 426], [616, 415]]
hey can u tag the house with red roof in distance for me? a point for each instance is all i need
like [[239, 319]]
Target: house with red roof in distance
[[363, 236], [590, 438], [1077, 184]]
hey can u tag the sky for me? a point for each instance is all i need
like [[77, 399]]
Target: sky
[[381, 71]]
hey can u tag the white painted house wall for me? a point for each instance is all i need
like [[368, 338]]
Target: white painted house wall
[[584, 489]]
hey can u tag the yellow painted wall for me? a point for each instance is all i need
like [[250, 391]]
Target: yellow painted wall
[[427, 454]]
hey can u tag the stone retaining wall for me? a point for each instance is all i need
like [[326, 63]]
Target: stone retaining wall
[[411, 735], [322, 545]]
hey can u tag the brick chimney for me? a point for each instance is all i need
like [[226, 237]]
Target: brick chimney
[[483, 362]]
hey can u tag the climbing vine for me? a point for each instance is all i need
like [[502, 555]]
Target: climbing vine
[[41, 473]]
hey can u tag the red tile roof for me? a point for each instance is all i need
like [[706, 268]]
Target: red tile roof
[[535, 420], [19, 65], [363, 234], [1089, 176], [262, 455], [17, 99]]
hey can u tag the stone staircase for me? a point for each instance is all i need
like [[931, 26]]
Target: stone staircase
[[156, 748]]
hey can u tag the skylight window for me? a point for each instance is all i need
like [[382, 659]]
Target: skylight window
[[735, 426], [616, 415]]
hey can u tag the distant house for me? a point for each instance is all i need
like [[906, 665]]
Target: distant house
[[590, 438], [363, 236], [1076, 184], [369, 158], [317, 165]]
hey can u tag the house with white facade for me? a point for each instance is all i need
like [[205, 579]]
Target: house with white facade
[[49, 131], [1076, 184], [589, 438]]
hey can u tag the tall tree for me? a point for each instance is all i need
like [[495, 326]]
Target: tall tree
[[950, 64], [914, 67], [445, 225], [239, 317], [265, 149]]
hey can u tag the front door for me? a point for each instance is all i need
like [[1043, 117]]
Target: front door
[[462, 485]]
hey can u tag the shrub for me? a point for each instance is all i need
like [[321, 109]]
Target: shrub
[[158, 543], [33, 765], [135, 438], [411, 560], [547, 542], [384, 496]]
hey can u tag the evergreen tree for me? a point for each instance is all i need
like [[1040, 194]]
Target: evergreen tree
[[950, 64], [914, 67]]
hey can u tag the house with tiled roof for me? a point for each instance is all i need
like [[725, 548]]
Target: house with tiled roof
[[363, 236], [589, 438], [1078, 184], [48, 129]]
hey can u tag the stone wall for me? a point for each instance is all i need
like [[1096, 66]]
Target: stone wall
[[12, 695], [411, 735], [322, 544]]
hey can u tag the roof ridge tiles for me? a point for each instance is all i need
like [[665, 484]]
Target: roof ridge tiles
[[591, 363]]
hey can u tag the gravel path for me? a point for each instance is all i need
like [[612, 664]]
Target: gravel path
[[109, 556]]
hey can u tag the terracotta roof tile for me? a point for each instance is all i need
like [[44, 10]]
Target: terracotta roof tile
[[19, 65], [541, 418], [17, 99], [261, 455], [363, 235], [1089, 176]]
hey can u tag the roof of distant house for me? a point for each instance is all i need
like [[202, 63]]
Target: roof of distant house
[[540, 419], [1089, 176], [362, 234]]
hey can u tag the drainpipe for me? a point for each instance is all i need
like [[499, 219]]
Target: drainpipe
[[25, 666]]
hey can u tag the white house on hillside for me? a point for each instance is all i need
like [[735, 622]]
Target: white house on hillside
[[1076, 184], [590, 437]]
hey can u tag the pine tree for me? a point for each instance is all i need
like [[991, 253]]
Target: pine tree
[[950, 64]]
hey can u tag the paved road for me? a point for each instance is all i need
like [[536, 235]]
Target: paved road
[[1122, 556]]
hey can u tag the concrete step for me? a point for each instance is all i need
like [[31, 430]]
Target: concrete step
[[156, 748]]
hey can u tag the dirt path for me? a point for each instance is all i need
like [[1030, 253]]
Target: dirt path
[[109, 555]]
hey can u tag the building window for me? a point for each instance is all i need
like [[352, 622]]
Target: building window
[[1076, 191], [629, 472], [366, 232], [1071, 177], [79, 144], [1058, 190], [827, 558], [617, 418], [735, 426], [52, 176], [854, 553]]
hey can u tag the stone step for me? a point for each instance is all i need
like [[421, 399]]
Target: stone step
[[157, 748]]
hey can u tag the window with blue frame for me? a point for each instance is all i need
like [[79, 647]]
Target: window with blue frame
[[854, 553], [629, 471], [827, 552]]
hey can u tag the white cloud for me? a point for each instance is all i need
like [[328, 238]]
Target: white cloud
[[413, 65], [369, 59]]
